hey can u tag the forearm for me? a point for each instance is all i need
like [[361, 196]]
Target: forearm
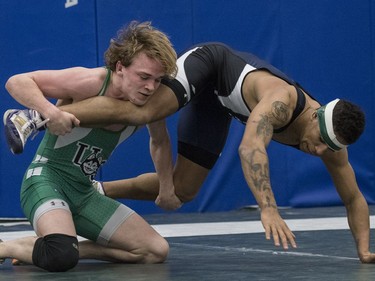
[[256, 171], [162, 158], [356, 206], [25, 91], [161, 154], [358, 219]]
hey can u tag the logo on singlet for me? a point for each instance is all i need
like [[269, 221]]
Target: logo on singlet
[[89, 165]]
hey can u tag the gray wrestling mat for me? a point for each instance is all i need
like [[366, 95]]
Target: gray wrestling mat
[[226, 246]]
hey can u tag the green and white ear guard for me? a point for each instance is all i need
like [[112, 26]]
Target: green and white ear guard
[[325, 114]]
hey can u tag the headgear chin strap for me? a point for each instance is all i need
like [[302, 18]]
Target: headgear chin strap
[[325, 114]]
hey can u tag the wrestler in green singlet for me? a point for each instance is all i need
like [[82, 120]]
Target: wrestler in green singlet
[[60, 177]]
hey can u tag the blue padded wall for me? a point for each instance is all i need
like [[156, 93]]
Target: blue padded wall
[[35, 35], [329, 50]]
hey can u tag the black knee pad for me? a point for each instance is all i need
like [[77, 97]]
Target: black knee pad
[[56, 252]]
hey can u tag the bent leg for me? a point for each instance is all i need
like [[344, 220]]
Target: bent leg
[[135, 241], [143, 187], [35, 250], [188, 178], [56, 249], [20, 249]]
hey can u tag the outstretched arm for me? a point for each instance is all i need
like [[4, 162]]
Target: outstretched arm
[[255, 165], [356, 206], [102, 111]]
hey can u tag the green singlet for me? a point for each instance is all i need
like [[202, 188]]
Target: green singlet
[[61, 174]]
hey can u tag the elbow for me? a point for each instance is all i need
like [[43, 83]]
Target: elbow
[[144, 117], [10, 84], [141, 118], [249, 150], [15, 83], [244, 151]]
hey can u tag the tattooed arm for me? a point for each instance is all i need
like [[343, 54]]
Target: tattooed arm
[[269, 113]]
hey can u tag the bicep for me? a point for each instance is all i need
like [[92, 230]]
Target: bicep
[[259, 126], [71, 83], [273, 111]]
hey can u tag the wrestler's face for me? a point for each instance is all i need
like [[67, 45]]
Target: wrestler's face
[[139, 80], [311, 141]]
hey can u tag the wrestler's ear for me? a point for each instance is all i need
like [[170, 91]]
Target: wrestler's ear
[[119, 68], [314, 115]]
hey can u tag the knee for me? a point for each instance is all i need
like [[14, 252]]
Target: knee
[[185, 197], [188, 178], [185, 193], [56, 252], [157, 252]]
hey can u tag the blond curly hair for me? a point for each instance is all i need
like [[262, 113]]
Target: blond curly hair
[[141, 37]]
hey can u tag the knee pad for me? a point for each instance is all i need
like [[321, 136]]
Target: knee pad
[[56, 252]]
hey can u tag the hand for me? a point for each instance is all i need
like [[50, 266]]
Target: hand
[[168, 202], [274, 225], [367, 257], [61, 123]]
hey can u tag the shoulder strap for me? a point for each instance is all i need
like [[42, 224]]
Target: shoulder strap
[[105, 83]]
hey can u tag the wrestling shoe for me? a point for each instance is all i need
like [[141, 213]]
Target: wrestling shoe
[[98, 186], [20, 125]]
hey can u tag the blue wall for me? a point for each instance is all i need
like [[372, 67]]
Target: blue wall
[[328, 48]]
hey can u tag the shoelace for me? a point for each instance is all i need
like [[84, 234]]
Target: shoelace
[[35, 116], [28, 128], [32, 126]]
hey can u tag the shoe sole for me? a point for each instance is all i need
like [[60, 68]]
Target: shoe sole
[[6, 114]]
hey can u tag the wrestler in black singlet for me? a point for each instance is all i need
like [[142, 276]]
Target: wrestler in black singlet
[[213, 74]]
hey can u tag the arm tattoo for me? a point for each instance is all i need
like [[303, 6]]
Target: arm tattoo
[[280, 111], [264, 128], [270, 204], [260, 172], [260, 177]]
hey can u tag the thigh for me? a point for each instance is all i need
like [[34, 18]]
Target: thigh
[[188, 178], [135, 234], [110, 223], [203, 127], [55, 221], [46, 208], [99, 218]]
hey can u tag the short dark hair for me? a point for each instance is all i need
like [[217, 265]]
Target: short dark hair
[[348, 121]]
